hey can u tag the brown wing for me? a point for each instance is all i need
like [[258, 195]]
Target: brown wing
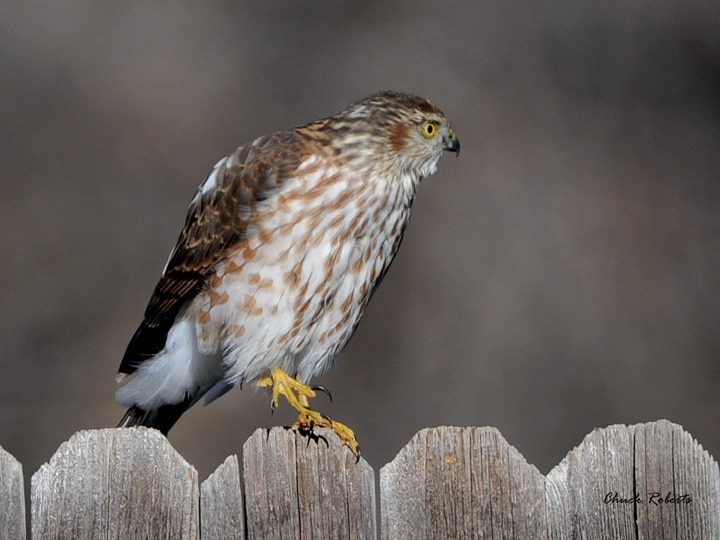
[[216, 221]]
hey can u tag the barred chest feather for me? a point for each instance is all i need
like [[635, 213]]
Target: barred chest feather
[[291, 295]]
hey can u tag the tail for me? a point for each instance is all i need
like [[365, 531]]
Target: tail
[[163, 418]]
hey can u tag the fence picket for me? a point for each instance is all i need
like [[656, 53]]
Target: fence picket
[[115, 483], [296, 488], [12, 497], [678, 482], [451, 482], [221, 503]]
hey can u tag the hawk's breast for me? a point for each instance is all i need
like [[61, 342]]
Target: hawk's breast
[[291, 294]]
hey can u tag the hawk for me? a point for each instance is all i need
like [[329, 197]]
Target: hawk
[[283, 246]]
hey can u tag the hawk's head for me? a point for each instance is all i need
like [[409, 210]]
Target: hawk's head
[[404, 132]]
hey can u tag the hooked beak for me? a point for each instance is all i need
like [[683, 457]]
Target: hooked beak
[[451, 142]]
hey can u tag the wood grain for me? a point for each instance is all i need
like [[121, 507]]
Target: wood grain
[[297, 488], [221, 502], [451, 482], [12, 497], [115, 483]]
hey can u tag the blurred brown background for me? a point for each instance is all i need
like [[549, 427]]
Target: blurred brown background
[[563, 273]]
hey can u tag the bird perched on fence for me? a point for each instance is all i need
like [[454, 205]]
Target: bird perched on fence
[[282, 248]]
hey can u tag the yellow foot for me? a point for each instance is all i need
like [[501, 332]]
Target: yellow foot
[[298, 396]]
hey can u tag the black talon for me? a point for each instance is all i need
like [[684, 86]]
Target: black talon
[[317, 437], [357, 456], [322, 389], [312, 435], [322, 438]]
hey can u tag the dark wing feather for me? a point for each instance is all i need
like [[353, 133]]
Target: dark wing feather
[[214, 224]]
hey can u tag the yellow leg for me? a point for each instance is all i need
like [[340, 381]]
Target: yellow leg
[[298, 396]]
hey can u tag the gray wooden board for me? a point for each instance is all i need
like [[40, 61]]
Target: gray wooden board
[[451, 482], [612, 483], [298, 488], [115, 483], [678, 484], [602, 464], [12, 499], [557, 502], [221, 505]]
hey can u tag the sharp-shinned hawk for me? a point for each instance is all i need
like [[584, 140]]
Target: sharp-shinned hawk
[[282, 248]]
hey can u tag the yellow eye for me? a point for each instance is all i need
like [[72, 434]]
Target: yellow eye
[[429, 129]]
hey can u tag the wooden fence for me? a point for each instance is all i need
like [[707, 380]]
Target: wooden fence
[[644, 481]]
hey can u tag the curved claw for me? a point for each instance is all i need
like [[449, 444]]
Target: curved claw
[[319, 388], [311, 434]]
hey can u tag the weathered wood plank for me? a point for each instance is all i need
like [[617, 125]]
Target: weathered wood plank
[[601, 467], [678, 484], [296, 488], [557, 500], [115, 483], [612, 483], [453, 482], [12, 497], [221, 504]]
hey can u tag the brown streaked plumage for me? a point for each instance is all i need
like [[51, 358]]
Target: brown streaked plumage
[[282, 247]]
